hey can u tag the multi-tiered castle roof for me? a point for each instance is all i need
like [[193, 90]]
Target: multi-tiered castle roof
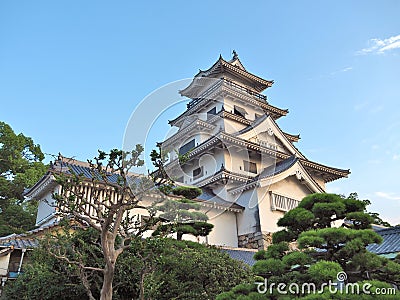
[[228, 81]]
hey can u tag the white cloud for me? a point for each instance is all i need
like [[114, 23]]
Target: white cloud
[[389, 196], [376, 109], [396, 157], [360, 106], [379, 46], [346, 69]]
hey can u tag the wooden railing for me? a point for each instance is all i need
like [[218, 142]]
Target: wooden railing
[[282, 203], [229, 83]]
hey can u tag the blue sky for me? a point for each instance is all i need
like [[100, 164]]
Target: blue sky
[[72, 73]]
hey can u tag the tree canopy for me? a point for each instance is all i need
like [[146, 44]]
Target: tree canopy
[[181, 215], [175, 270], [323, 251], [21, 167]]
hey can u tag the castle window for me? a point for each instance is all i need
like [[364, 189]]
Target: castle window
[[197, 173], [211, 113], [239, 111], [250, 166], [187, 147]]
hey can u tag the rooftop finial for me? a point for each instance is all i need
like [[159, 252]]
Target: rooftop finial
[[235, 56]]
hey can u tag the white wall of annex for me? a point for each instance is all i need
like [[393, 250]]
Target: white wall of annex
[[289, 187], [224, 232], [45, 208], [4, 261], [248, 219]]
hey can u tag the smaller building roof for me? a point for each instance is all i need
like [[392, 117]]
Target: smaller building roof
[[209, 196], [27, 240], [79, 168], [391, 241], [18, 241], [241, 254]]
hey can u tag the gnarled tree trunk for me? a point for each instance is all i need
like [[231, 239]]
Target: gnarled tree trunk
[[107, 288]]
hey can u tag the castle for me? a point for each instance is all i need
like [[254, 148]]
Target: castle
[[239, 156], [250, 171]]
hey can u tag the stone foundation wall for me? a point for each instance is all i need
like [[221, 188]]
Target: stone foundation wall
[[256, 240]]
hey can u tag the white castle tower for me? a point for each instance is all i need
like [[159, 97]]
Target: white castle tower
[[235, 151]]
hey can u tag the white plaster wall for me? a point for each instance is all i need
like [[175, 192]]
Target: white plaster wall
[[247, 220], [268, 217], [224, 232], [203, 111], [222, 192], [210, 163], [250, 108], [232, 126], [289, 187], [45, 210], [234, 158], [4, 261], [320, 181]]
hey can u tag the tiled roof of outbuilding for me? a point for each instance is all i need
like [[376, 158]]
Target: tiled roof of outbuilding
[[244, 255], [18, 241], [391, 241]]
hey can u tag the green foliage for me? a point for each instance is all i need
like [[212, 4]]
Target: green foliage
[[323, 271], [341, 244], [189, 192], [277, 250], [270, 266], [48, 278], [296, 258], [377, 220], [17, 217], [297, 220], [20, 163], [174, 269], [274, 251], [325, 250], [371, 287], [261, 254], [283, 235], [189, 270], [359, 220], [20, 167], [182, 217], [160, 177]]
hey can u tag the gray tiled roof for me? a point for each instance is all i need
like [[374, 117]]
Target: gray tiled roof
[[18, 241], [391, 241], [278, 168], [24, 240], [245, 256], [254, 124], [208, 195], [88, 172]]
